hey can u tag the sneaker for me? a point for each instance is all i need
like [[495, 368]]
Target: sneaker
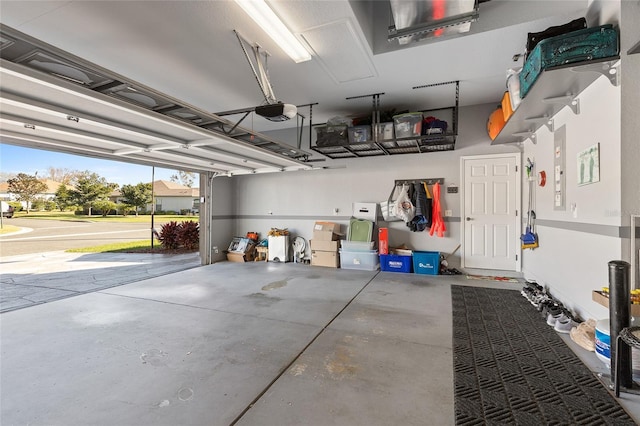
[[565, 324], [548, 305], [555, 313], [539, 299]]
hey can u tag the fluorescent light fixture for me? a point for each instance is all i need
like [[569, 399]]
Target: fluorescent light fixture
[[265, 17]]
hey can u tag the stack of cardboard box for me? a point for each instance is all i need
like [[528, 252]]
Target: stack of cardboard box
[[325, 245]]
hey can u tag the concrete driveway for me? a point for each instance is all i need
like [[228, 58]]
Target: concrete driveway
[[35, 269]]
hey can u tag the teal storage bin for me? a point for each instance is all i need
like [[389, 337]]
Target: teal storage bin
[[574, 47], [426, 262]]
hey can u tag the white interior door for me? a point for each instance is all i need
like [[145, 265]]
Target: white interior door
[[490, 217]]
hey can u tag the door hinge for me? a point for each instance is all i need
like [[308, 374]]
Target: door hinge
[[516, 257], [516, 169], [516, 213]]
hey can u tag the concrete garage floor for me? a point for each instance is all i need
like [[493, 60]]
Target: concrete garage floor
[[248, 344]]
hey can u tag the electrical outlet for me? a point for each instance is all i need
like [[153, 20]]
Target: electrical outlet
[[448, 213], [216, 250]]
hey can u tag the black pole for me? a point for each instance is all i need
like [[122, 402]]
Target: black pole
[[619, 318]]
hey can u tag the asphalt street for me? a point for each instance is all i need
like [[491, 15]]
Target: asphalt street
[[51, 235]]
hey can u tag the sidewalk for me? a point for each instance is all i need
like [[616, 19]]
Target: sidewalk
[[32, 279]]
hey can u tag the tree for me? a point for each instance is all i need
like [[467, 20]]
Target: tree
[[105, 206], [136, 195], [26, 188], [90, 188], [62, 175], [183, 178], [63, 197]]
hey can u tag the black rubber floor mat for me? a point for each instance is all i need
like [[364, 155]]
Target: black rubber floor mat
[[510, 367]]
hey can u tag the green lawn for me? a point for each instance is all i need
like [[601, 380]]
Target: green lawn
[[96, 218]]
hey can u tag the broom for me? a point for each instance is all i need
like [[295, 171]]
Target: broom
[[530, 238]]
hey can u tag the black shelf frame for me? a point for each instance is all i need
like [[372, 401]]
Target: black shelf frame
[[436, 142]]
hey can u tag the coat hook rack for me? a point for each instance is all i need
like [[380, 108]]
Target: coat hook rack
[[428, 181]]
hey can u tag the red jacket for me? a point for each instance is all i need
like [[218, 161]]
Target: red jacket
[[437, 223]]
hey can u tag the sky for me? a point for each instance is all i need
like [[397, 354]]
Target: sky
[[16, 159]]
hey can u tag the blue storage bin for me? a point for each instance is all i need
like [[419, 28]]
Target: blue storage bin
[[395, 263], [426, 262]]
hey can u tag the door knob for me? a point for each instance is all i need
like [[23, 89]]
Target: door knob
[[468, 219]]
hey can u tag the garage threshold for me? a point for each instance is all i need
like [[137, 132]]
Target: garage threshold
[[33, 279]]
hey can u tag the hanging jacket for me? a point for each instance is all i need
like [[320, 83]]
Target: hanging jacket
[[437, 224], [422, 218]]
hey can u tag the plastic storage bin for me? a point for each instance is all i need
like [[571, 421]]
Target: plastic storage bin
[[360, 230], [426, 262], [362, 260], [395, 263], [384, 131], [357, 245], [358, 134], [331, 135], [408, 125]]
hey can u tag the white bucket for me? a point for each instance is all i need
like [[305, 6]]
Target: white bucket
[[603, 346], [603, 342]]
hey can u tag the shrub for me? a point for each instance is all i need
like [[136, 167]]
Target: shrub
[[189, 235], [169, 235]]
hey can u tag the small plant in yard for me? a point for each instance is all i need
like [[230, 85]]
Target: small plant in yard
[[169, 235], [189, 234]]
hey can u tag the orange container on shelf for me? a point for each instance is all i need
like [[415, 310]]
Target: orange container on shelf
[[495, 123], [507, 109]]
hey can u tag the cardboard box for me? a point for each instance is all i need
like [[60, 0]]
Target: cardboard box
[[247, 256], [383, 240], [326, 231], [329, 259], [322, 245], [600, 298]]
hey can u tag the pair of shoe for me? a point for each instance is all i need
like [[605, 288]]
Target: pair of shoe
[[561, 320], [534, 293], [584, 334]]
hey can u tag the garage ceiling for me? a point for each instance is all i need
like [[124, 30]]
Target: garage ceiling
[[185, 53]]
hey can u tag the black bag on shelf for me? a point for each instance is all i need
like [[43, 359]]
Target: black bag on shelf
[[534, 38]]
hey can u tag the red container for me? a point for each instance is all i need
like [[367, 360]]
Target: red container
[[383, 240]]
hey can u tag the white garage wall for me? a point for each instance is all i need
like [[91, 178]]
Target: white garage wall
[[630, 160], [295, 200], [576, 245]]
